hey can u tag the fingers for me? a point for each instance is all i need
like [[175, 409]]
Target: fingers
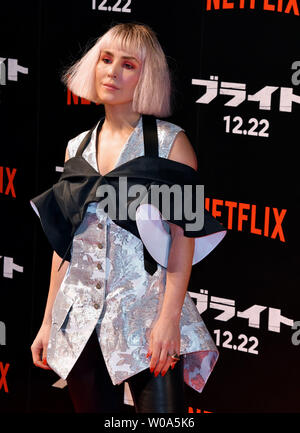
[[165, 367], [170, 361], [39, 356], [44, 359], [42, 364], [161, 360]]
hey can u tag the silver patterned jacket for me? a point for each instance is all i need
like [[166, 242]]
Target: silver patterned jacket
[[107, 287]]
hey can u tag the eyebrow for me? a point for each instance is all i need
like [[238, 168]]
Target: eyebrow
[[123, 57]]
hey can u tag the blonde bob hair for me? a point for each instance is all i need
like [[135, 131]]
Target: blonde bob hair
[[153, 91]]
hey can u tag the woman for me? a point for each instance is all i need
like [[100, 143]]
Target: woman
[[107, 320]]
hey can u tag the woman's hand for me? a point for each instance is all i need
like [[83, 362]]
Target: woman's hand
[[164, 342], [39, 347], [40, 344]]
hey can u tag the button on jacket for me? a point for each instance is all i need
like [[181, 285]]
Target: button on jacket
[[106, 286]]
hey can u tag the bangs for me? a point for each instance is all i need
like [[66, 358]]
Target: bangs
[[123, 41]]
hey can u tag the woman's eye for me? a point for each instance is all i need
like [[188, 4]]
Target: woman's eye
[[128, 66], [105, 60]]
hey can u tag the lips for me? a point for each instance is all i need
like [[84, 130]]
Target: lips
[[110, 86]]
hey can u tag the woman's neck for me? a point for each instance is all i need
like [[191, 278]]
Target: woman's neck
[[119, 117]]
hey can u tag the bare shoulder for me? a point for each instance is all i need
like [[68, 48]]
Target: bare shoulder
[[183, 151], [67, 156]]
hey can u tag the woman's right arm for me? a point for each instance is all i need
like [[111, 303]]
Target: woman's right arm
[[40, 343]]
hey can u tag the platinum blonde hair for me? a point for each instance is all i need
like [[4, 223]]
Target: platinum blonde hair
[[153, 92]]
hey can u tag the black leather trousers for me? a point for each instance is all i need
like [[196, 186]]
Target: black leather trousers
[[91, 389]]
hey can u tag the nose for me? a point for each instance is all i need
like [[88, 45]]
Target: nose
[[113, 70]]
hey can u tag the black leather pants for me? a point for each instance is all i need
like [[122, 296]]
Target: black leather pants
[[91, 389]]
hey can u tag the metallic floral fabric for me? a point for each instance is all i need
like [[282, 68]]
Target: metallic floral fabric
[[107, 287]]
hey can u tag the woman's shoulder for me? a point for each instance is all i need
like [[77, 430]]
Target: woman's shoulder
[[168, 127], [74, 143], [167, 133]]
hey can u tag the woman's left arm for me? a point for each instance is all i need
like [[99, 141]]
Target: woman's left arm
[[165, 335]]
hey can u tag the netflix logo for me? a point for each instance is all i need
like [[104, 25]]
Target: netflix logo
[[7, 176], [283, 6], [3, 373], [244, 217]]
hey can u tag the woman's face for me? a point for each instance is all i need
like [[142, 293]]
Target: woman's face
[[117, 74]]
